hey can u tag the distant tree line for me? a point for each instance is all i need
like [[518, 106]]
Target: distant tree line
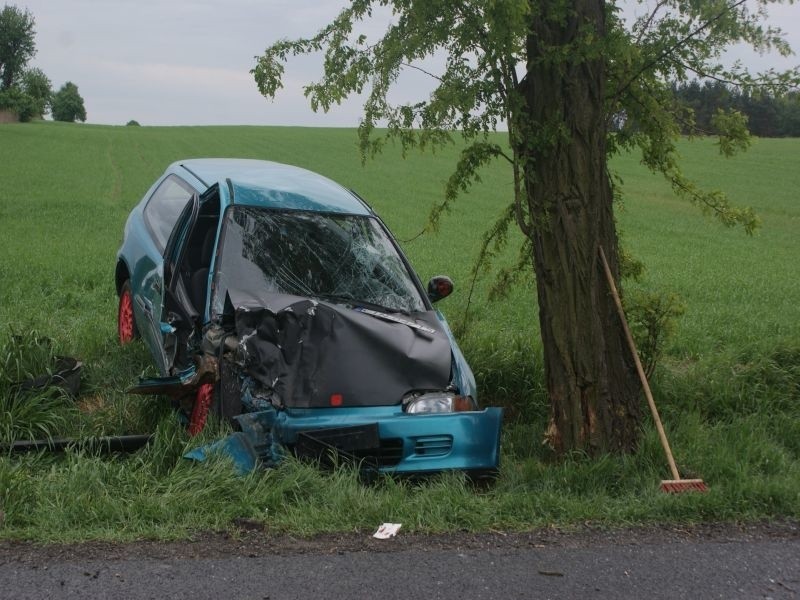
[[767, 115], [25, 92]]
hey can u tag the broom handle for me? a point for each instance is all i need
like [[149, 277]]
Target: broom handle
[[642, 376]]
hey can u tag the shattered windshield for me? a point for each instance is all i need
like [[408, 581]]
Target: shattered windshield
[[339, 258]]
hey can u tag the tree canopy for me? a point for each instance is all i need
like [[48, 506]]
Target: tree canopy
[[67, 104], [573, 83], [17, 44], [36, 85], [25, 92], [29, 92], [767, 115]]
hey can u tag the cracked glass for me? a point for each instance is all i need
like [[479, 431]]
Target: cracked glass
[[347, 259]]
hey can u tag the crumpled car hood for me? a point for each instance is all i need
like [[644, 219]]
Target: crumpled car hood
[[307, 353]]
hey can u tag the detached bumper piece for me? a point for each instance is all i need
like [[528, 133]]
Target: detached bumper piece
[[249, 448]]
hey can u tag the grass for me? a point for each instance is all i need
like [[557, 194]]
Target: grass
[[728, 387]]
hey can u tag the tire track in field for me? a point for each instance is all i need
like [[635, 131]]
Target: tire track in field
[[116, 172], [146, 159]]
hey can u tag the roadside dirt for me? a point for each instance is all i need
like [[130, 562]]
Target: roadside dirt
[[250, 540]]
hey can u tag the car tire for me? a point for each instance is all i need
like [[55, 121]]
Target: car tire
[[126, 322]]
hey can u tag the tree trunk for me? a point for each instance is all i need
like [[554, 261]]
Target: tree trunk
[[591, 377]]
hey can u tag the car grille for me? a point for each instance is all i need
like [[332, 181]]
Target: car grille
[[434, 445], [388, 454]]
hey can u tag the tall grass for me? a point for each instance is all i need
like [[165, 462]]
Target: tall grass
[[28, 411], [751, 471]]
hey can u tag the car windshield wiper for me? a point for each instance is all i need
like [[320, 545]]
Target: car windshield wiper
[[377, 311], [355, 302]]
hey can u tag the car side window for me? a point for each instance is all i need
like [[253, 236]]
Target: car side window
[[164, 208]]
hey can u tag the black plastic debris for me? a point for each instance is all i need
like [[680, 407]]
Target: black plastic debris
[[102, 445], [66, 375]]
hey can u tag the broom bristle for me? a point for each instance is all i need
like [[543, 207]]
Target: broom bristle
[[677, 486]]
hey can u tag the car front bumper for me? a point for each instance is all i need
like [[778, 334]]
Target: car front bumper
[[408, 444], [381, 439]]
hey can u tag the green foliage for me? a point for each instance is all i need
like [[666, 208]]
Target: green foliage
[[17, 44], [733, 133], [676, 46], [767, 114], [132, 123], [67, 104], [31, 98], [653, 320], [38, 88], [14, 99], [27, 92], [629, 266], [479, 46], [475, 91]]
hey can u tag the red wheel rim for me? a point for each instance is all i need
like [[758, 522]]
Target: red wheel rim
[[125, 317], [202, 402]]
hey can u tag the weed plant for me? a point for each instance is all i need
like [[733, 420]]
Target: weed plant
[[28, 411], [728, 382]]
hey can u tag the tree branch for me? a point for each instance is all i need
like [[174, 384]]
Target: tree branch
[[736, 84], [675, 46], [421, 70], [647, 23]]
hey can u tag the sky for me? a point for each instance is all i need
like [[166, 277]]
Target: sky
[[188, 62]]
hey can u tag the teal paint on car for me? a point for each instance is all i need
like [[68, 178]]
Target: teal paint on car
[[277, 298]]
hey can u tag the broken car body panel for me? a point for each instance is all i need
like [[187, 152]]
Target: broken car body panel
[[287, 293]]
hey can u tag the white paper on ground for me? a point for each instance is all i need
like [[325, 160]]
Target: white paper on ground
[[387, 530]]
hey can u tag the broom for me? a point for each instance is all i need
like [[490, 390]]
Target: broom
[[675, 485]]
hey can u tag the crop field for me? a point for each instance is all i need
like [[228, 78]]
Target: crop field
[[728, 385]]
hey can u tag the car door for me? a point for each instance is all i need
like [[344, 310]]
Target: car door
[[180, 312], [163, 215], [163, 341]]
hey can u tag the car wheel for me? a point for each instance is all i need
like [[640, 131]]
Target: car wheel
[[202, 402], [126, 325]]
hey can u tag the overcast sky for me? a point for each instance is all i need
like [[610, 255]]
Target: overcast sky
[[187, 62]]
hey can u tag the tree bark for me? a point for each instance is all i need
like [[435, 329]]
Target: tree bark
[[591, 378]]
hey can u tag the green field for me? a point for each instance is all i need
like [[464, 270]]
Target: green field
[[728, 386]]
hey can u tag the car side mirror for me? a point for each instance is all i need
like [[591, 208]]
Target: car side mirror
[[439, 287]]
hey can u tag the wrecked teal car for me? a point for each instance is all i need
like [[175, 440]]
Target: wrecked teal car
[[278, 300]]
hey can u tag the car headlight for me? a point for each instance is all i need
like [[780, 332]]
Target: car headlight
[[439, 402]]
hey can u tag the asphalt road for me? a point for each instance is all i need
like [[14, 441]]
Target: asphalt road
[[706, 562]]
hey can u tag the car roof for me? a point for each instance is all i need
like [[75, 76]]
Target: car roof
[[273, 185]]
